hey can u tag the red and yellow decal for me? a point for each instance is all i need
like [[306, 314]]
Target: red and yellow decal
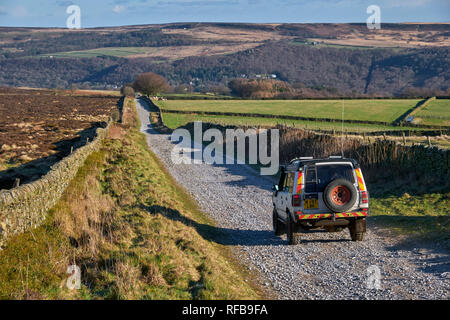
[[329, 215], [361, 184], [299, 182]]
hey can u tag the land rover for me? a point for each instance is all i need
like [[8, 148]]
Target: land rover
[[320, 193]]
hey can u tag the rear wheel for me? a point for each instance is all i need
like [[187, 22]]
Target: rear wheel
[[293, 236], [357, 229], [278, 226]]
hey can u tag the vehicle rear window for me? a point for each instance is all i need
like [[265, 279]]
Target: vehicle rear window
[[329, 172], [311, 180]]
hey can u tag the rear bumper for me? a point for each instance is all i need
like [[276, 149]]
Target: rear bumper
[[358, 214]]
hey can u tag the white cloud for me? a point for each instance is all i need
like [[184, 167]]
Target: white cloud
[[118, 9]]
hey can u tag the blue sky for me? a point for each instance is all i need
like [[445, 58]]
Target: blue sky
[[95, 13]]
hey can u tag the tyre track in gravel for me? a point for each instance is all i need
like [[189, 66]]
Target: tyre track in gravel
[[324, 265]]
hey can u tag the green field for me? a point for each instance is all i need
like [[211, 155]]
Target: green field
[[196, 96], [175, 120], [113, 51], [386, 110], [437, 112]]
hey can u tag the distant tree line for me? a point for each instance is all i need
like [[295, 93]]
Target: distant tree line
[[304, 71]]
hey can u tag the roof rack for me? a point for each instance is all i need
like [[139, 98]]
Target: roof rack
[[301, 158], [297, 163]]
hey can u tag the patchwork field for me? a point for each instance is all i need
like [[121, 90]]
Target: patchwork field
[[168, 52], [38, 127], [175, 120], [385, 111], [342, 34], [437, 112]]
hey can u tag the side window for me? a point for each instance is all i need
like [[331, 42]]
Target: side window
[[282, 180], [291, 182], [311, 180], [286, 183]]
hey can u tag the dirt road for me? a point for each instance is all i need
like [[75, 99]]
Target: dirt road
[[325, 265]]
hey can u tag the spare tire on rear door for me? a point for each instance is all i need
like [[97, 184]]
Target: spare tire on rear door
[[340, 195]]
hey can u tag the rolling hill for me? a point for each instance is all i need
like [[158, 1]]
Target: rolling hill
[[347, 59]]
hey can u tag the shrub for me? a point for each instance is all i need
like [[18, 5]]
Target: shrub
[[151, 84]]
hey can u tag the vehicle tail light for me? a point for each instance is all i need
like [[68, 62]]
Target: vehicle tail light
[[364, 197], [296, 201]]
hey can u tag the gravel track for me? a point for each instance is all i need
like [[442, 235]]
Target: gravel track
[[324, 265]]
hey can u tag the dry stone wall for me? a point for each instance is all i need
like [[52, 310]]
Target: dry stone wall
[[26, 206]]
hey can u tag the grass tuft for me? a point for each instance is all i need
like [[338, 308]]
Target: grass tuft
[[123, 221]]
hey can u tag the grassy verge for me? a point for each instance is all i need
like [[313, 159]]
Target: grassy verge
[[412, 207], [134, 233]]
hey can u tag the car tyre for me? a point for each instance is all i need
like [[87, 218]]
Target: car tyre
[[278, 226], [293, 236], [357, 229]]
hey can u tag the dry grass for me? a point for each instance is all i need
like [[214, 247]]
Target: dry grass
[[180, 52], [227, 34], [349, 35], [386, 39], [133, 232], [38, 123]]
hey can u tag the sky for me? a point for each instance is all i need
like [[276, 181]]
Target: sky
[[97, 13]]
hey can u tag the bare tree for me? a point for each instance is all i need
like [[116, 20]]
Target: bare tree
[[151, 84]]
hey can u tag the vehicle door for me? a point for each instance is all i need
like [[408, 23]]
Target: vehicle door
[[327, 172], [285, 194], [277, 193], [311, 194]]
